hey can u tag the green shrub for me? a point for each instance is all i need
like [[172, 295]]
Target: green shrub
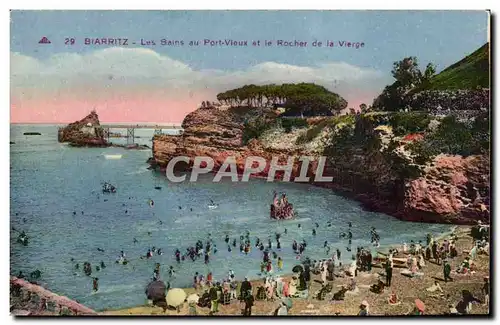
[[253, 129], [455, 138], [403, 123], [293, 123], [310, 134]]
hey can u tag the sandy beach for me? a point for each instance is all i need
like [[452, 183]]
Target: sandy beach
[[407, 289]]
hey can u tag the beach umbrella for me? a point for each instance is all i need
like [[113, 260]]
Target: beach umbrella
[[193, 298], [420, 305], [298, 269], [175, 297], [156, 290], [288, 302]]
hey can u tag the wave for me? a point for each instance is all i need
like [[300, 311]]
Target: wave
[[109, 157], [141, 170]]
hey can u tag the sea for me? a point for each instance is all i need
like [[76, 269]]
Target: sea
[[56, 198]]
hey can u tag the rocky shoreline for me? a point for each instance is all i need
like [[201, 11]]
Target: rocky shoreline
[[453, 189]]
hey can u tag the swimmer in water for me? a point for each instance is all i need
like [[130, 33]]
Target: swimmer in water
[[135, 240], [314, 232], [316, 224], [299, 225], [95, 284], [286, 231]]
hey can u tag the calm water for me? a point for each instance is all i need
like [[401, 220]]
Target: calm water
[[50, 180]]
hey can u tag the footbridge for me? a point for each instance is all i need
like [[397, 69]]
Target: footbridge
[[158, 129]]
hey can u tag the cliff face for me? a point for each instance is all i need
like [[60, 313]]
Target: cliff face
[[86, 132], [452, 190]]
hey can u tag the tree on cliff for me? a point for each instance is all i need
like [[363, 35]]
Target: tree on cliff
[[298, 99], [408, 76]]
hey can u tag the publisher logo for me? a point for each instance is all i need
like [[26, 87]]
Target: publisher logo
[[44, 40]]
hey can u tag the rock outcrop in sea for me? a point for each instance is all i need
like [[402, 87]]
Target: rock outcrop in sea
[[452, 189], [86, 132]]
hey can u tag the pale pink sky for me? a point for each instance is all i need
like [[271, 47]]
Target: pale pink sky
[[133, 108], [145, 107]]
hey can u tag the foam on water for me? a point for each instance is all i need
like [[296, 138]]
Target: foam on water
[[50, 181]]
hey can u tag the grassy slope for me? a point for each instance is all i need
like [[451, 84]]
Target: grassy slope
[[468, 73]]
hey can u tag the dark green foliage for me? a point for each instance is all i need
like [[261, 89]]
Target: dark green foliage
[[299, 99], [403, 123], [472, 72], [362, 136], [391, 98], [254, 128], [406, 72], [329, 122], [456, 138], [293, 123], [310, 134]]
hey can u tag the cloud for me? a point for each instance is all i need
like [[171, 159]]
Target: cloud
[[114, 71]]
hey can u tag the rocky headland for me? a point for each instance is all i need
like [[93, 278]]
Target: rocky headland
[[449, 189], [86, 132]]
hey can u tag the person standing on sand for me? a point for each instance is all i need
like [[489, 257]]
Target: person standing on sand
[[249, 300], [486, 290], [233, 285], [245, 287], [214, 302], [192, 309], [388, 270], [446, 271], [363, 308], [280, 264]]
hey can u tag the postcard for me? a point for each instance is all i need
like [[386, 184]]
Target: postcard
[[250, 163]]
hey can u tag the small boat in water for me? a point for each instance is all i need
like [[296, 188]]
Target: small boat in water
[[281, 209], [212, 205], [108, 157], [108, 188]]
